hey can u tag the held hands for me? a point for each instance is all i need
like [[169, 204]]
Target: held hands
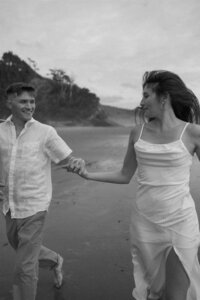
[[76, 165]]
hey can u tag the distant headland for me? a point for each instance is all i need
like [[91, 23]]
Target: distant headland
[[60, 101]]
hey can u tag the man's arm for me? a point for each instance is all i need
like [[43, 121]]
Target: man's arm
[[60, 153]]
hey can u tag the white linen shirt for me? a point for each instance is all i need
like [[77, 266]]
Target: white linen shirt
[[25, 166]]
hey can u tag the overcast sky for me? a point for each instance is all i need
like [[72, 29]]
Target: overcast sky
[[106, 45]]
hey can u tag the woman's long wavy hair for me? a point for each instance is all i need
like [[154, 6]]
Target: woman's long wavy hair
[[184, 103]]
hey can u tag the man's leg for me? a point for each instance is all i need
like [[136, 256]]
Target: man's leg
[[51, 260], [25, 236]]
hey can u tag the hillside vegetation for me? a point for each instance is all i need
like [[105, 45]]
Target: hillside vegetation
[[59, 98]]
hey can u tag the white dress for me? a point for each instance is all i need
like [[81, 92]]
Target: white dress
[[164, 216]]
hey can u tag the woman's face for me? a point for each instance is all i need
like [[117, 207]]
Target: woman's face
[[150, 103]]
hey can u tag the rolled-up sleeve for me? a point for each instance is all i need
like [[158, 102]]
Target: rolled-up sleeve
[[55, 147]]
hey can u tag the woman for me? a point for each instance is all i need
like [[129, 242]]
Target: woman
[[164, 225]]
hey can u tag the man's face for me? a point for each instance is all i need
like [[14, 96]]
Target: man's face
[[22, 106]]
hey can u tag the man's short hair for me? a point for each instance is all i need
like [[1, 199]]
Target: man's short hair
[[19, 87]]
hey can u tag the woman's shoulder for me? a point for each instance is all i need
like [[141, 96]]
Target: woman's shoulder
[[193, 137], [193, 130], [135, 132]]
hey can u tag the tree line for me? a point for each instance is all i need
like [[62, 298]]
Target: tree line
[[58, 96]]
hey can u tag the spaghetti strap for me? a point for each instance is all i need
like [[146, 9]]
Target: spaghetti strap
[[141, 131], [184, 128]]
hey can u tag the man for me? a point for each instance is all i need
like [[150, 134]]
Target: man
[[27, 148]]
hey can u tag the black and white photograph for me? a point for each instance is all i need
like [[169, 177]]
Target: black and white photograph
[[99, 150]]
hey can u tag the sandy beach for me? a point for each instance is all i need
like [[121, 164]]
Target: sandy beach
[[88, 223]]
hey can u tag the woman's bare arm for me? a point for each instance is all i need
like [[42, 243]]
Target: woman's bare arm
[[124, 175]]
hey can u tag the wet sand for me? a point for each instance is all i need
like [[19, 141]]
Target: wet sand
[[88, 224]]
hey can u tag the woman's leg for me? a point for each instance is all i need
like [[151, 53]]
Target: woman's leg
[[149, 261], [177, 280]]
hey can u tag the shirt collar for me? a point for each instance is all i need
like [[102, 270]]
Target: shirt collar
[[9, 120]]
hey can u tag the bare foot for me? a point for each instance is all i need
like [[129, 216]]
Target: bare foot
[[58, 273]]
